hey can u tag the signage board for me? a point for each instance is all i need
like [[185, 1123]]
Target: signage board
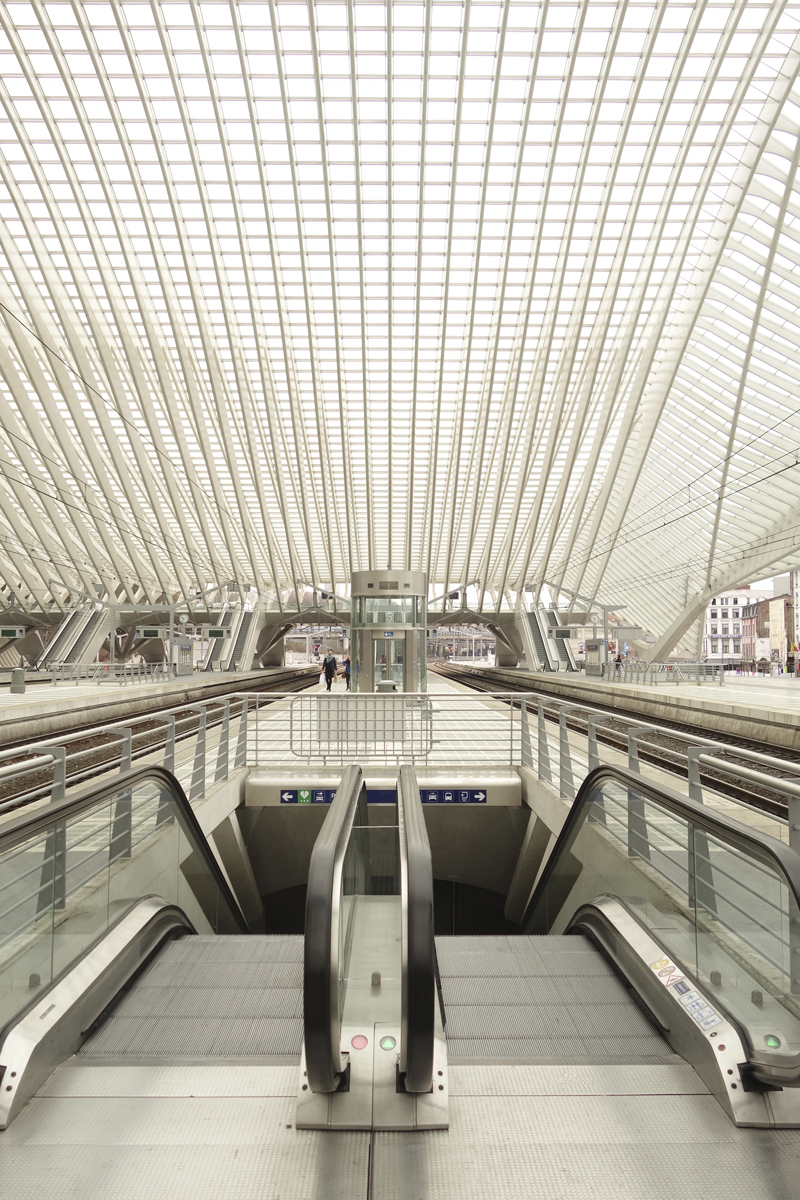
[[393, 633], [628, 633], [152, 631], [12, 631], [561, 634], [218, 632], [439, 795]]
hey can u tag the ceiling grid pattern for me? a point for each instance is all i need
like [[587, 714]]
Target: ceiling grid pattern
[[500, 291]]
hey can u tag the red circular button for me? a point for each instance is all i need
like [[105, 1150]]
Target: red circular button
[[359, 1042]]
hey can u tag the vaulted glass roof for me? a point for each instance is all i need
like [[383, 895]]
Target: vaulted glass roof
[[506, 292]]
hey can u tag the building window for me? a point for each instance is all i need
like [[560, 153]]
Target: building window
[[736, 631], [715, 647], [723, 600], [726, 648], [737, 647], [714, 613], [735, 599], [724, 612], [724, 630], [714, 629]]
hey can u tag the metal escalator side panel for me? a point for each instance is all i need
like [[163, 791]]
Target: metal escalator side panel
[[86, 856], [323, 994], [719, 896], [90, 627], [419, 953], [57, 1021], [700, 1031]]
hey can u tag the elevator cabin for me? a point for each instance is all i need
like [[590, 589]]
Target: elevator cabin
[[389, 612]]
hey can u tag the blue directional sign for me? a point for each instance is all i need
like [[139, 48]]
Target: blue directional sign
[[325, 795], [386, 795], [453, 795], [307, 795]]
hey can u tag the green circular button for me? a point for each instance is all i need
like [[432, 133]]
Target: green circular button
[[388, 1043], [772, 1041]]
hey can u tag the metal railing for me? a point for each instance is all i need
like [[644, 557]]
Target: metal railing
[[652, 674], [201, 743], [562, 768], [121, 673]]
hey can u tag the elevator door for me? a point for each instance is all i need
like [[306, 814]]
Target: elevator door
[[389, 660]]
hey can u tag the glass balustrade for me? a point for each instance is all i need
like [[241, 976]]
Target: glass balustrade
[[721, 901], [67, 876]]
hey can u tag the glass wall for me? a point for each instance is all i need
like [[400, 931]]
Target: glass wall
[[369, 611], [63, 887]]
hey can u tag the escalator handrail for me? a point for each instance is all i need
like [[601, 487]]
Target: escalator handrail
[[419, 956], [321, 999], [42, 820], [757, 845]]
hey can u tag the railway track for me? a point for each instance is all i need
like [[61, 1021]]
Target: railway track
[[97, 748], [658, 749]]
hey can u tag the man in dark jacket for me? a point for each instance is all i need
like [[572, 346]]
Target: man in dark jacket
[[330, 669]]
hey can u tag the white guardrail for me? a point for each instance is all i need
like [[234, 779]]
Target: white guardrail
[[120, 673], [652, 674], [202, 743]]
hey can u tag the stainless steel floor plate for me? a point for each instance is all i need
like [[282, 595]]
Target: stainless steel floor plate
[[636, 1147]]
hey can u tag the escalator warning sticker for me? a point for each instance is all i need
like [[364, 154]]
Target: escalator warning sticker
[[697, 1008], [666, 971]]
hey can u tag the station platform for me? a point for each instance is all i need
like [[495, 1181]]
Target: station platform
[[762, 709], [47, 709]]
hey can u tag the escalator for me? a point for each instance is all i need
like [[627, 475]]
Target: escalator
[[697, 915], [235, 661], [121, 942], [562, 645], [217, 650], [62, 639], [90, 638], [541, 641], [147, 1029]]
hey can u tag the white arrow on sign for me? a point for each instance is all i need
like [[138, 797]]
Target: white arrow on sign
[[480, 795], [286, 795]]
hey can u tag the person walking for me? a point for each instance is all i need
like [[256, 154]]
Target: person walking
[[347, 674], [330, 670]]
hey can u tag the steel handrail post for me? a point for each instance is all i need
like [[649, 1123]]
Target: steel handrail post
[[224, 739], [121, 843]]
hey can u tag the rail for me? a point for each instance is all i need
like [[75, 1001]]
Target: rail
[[67, 870], [721, 898], [418, 979], [370, 885], [655, 673], [203, 742], [328, 924], [200, 742], [119, 673], [560, 765]]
